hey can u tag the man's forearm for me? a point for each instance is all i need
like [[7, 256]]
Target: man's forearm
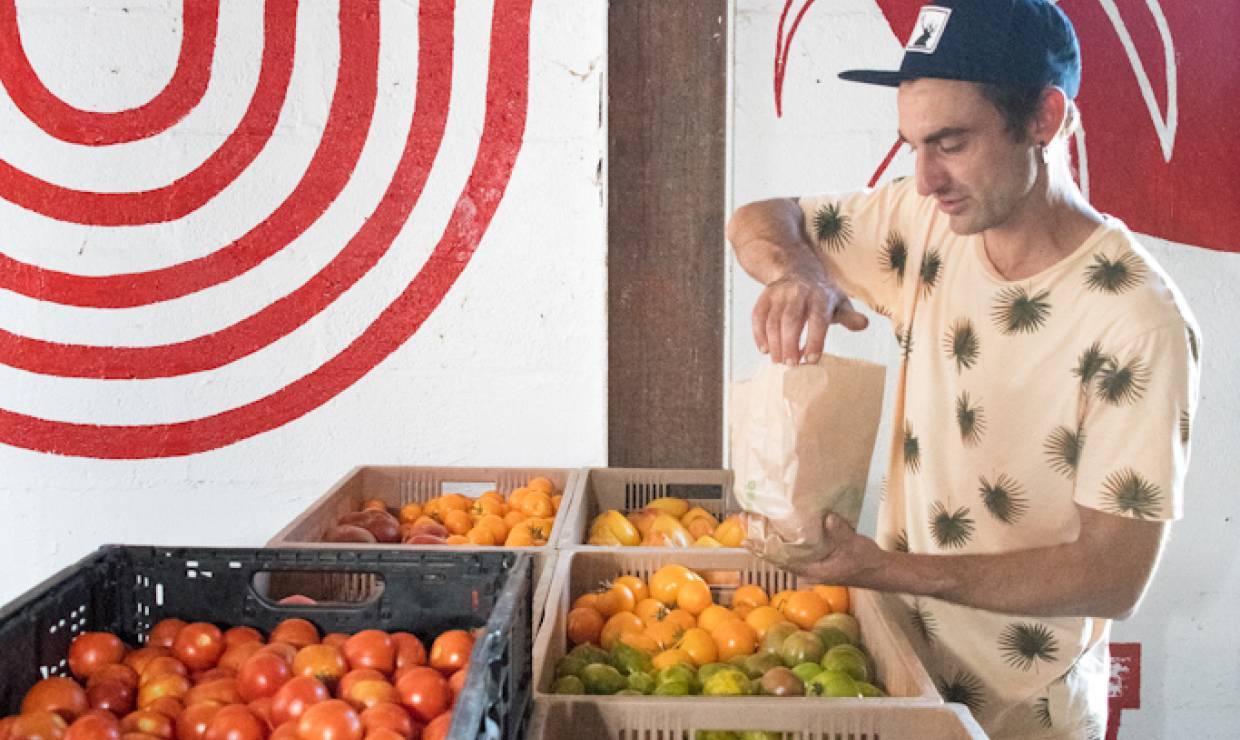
[[770, 241]]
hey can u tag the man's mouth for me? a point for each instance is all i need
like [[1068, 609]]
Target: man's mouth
[[951, 206]]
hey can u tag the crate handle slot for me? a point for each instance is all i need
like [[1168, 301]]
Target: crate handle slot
[[311, 589]]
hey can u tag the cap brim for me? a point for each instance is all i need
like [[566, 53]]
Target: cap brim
[[886, 78]]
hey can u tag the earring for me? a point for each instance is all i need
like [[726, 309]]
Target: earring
[[1043, 155]]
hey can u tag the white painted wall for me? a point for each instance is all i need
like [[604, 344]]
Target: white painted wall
[[831, 137], [510, 369]]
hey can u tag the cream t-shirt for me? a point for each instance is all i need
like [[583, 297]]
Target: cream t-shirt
[[1017, 400]]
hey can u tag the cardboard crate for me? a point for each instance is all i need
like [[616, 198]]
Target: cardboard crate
[[399, 485], [897, 666], [630, 489], [126, 590], [654, 718]]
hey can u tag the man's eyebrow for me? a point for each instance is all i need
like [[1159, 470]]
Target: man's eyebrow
[[937, 136]]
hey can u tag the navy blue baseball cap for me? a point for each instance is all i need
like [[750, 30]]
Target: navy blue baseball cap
[[1021, 42]]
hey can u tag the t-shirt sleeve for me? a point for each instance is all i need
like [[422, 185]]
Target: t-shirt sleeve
[[863, 239], [1135, 436]]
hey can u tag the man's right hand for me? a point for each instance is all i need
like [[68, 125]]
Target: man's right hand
[[803, 301]]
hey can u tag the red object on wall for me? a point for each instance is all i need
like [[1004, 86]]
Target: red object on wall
[[1159, 151], [1125, 688]]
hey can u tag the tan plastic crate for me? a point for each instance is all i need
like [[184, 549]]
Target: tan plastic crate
[[654, 718], [630, 489], [897, 666], [399, 485]]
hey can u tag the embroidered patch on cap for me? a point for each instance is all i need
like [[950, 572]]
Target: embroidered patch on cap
[[929, 29]]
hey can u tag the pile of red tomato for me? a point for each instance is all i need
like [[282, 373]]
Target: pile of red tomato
[[197, 682]]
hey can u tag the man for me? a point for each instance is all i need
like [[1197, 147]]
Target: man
[[1048, 380]]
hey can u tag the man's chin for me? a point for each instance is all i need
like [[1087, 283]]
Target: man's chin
[[963, 225]]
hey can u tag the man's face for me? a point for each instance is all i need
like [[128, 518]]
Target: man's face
[[966, 159]]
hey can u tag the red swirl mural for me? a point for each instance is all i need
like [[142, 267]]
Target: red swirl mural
[[501, 137]]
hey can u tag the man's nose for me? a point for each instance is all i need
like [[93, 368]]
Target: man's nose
[[931, 177]]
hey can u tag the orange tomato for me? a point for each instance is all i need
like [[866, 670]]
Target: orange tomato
[[618, 623], [780, 600], [665, 634], [480, 536], [456, 539], [537, 504], [58, 694], [733, 638], [694, 597], [641, 641], [541, 483], [438, 728], [625, 598], [749, 595], [410, 512], [650, 610], [682, 618], [760, 618], [484, 506], [513, 518], [836, 597], [803, 608], [634, 584], [325, 663], [376, 504], [714, 615], [588, 599], [669, 658], [457, 521], [666, 582], [556, 500], [495, 523], [516, 496], [699, 646], [584, 625]]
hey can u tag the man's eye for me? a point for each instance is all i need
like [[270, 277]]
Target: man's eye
[[951, 148]]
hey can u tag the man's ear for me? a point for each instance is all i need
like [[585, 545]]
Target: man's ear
[[1049, 120]]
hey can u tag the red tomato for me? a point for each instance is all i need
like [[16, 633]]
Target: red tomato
[[361, 674], [58, 694], [38, 725], [144, 720], [383, 733], [212, 674], [409, 650], [438, 728], [220, 691], [371, 649], [295, 697], [286, 731], [450, 651], [140, 658], [389, 717], [234, 656], [262, 709], [165, 684], [167, 706], [286, 651], [139, 736], [335, 639], [457, 682], [95, 724], [192, 723], [369, 692], [329, 720], [324, 662], [112, 696], [116, 672], [424, 692], [91, 651], [235, 722], [160, 666], [262, 674], [164, 633], [234, 636], [199, 645], [296, 632]]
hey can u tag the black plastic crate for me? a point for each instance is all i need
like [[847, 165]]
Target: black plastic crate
[[127, 589]]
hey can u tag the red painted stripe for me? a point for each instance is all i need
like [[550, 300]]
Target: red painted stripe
[[199, 23], [191, 191], [882, 167], [781, 54], [251, 334], [507, 93], [344, 136]]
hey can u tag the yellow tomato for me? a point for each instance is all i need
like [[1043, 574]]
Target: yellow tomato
[[693, 597], [641, 641], [651, 610], [624, 596], [712, 615], [410, 512], [780, 599], [682, 618], [665, 634], [803, 608], [699, 646], [676, 507], [730, 531], [666, 582], [636, 585], [751, 595]]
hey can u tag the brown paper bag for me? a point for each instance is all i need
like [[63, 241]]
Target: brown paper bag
[[801, 441]]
